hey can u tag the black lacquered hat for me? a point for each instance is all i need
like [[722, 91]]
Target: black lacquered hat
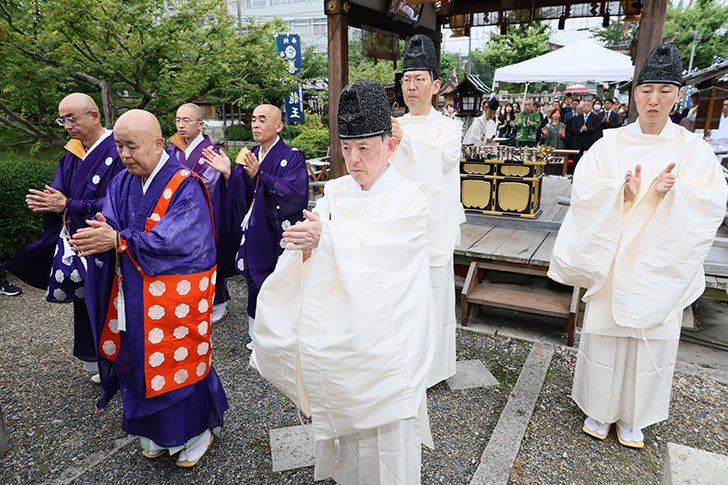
[[363, 110], [419, 55], [663, 66]]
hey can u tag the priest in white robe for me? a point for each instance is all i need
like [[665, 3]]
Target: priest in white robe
[[646, 203], [719, 136], [484, 128], [429, 153], [345, 324]]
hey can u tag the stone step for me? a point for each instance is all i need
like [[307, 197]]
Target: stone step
[[690, 466]]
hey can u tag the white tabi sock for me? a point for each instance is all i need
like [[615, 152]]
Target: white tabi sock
[[251, 323], [195, 449], [218, 311], [629, 434], [90, 366]]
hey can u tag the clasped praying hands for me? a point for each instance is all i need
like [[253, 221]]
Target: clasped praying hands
[[304, 235], [99, 237], [48, 200], [633, 181]]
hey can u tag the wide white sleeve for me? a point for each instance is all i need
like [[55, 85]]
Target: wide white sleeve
[[588, 237], [663, 247]]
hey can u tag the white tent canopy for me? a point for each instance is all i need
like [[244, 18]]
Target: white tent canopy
[[581, 61]]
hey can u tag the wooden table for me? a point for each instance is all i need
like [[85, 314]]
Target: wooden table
[[524, 246]]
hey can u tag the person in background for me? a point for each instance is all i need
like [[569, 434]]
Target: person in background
[[265, 194], [75, 194], [6, 288], [554, 132], [527, 125], [484, 128], [187, 146], [428, 153], [506, 128]]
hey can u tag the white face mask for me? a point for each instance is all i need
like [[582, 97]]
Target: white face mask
[[597, 107]]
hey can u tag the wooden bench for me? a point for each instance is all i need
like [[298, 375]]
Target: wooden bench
[[504, 296]]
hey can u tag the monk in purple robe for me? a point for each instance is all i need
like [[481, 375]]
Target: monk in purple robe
[[187, 145], [76, 193], [266, 194], [150, 289]]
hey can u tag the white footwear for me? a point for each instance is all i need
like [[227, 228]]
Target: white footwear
[[594, 428], [250, 345], [189, 457], [96, 379], [218, 312], [629, 437]]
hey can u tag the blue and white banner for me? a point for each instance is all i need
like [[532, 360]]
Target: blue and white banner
[[289, 48]]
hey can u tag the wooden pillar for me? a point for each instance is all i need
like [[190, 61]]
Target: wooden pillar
[[650, 33], [338, 26]]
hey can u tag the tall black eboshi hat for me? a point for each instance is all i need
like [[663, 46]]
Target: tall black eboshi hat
[[420, 55], [363, 110], [663, 66]]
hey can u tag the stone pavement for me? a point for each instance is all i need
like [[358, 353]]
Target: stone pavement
[[517, 425]]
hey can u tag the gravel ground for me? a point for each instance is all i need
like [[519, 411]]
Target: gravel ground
[[56, 433]]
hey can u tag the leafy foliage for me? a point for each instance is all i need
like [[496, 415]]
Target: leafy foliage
[[149, 54], [521, 42], [615, 33], [313, 142], [19, 225], [710, 19], [238, 132]]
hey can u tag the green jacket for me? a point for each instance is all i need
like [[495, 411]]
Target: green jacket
[[526, 132]]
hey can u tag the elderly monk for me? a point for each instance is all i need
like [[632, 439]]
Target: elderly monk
[[645, 205], [344, 323], [150, 292], [187, 145], [76, 193], [483, 129], [266, 193], [429, 153]]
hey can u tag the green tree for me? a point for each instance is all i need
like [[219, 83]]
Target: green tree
[[614, 34], [521, 42], [448, 62], [315, 65], [362, 67], [710, 19], [149, 54]]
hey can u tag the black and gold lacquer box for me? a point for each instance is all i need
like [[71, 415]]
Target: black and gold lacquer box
[[501, 187]]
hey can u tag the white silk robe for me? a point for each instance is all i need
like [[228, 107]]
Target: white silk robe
[[429, 154], [348, 334], [641, 262], [480, 131]]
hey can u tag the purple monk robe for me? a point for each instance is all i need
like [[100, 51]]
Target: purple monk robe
[[85, 182], [180, 243], [278, 194], [216, 189]]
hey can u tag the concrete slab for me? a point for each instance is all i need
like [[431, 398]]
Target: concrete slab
[[292, 447], [470, 374], [505, 441], [690, 466]]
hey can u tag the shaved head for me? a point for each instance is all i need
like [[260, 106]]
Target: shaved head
[[193, 109], [189, 121], [266, 123], [82, 118], [79, 101], [139, 142]]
